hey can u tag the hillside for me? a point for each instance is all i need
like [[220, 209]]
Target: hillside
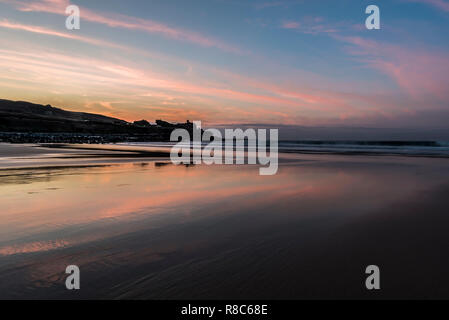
[[20, 117]]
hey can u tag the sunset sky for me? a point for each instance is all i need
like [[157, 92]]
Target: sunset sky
[[287, 62]]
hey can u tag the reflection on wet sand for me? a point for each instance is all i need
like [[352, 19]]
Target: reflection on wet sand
[[32, 156], [149, 229]]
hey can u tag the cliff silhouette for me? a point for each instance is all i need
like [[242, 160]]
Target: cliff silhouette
[[22, 121]]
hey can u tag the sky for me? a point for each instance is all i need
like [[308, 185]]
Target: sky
[[231, 62]]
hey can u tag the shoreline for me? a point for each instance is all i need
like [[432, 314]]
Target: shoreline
[[36, 156], [29, 156]]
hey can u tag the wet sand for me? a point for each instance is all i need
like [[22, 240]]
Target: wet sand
[[59, 155], [151, 230]]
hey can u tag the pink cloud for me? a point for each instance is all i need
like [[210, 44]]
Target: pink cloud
[[422, 74], [291, 25], [70, 75], [41, 30], [310, 25], [126, 22], [242, 99], [253, 98], [158, 81]]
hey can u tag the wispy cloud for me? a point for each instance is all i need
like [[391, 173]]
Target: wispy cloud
[[422, 74], [291, 25], [308, 25], [4, 23], [439, 4], [147, 93], [126, 22], [134, 83]]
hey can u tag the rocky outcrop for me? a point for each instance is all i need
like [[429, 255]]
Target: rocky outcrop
[[25, 121]]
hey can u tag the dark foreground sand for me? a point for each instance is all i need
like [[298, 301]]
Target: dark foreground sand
[[151, 230]]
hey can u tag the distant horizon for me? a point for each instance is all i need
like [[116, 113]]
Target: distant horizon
[[304, 132]]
